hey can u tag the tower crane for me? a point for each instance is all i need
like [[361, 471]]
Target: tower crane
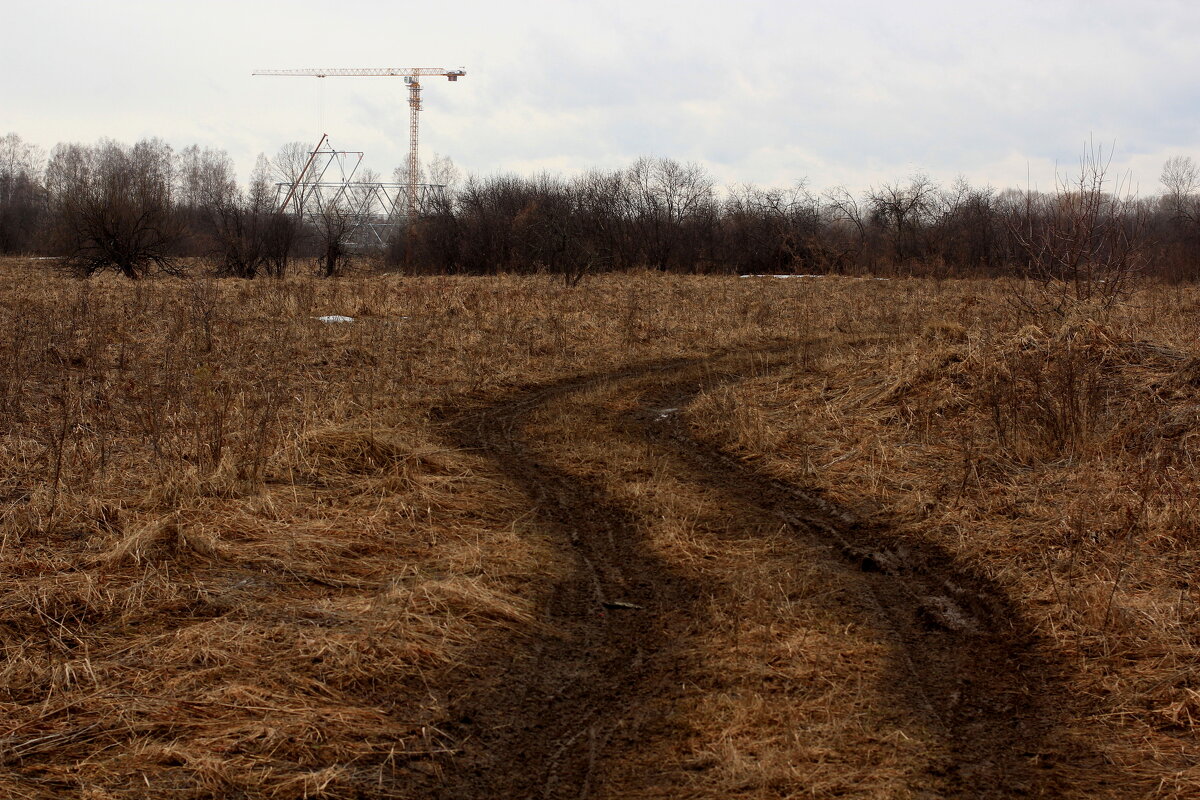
[[412, 77]]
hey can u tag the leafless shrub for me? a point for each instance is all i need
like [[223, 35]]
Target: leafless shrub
[[968, 231], [334, 227], [1081, 245], [114, 206], [774, 230], [251, 234], [557, 230]]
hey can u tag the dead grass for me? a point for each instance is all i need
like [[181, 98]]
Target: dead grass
[[238, 561], [783, 688], [1059, 457], [235, 558]]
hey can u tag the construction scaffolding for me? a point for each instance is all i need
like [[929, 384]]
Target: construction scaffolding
[[325, 193]]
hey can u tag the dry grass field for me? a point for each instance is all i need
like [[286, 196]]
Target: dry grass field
[[649, 536]]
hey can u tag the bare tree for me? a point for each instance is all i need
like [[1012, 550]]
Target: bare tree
[[1177, 221], [202, 175], [21, 193], [336, 224], [554, 230], [964, 230], [607, 225], [847, 227], [663, 196], [439, 170], [1181, 180], [767, 230], [902, 210], [205, 189], [289, 163], [114, 206], [443, 172]]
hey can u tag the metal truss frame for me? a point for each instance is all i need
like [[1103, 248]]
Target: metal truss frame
[[373, 210]]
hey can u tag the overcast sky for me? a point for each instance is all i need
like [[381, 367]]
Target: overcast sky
[[768, 92]]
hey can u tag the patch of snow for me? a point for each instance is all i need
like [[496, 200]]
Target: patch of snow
[[809, 276], [335, 318], [781, 276]]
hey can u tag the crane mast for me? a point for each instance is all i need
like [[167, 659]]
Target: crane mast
[[414, 136], [412, 77]]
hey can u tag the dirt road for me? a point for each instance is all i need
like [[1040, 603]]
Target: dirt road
[[713, 633]]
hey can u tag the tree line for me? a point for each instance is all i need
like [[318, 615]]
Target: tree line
[[145, 207]]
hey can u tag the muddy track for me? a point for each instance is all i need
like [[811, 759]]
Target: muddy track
[[564, 704], [593, 709]]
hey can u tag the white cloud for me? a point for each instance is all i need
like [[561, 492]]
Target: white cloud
[[768, 92]]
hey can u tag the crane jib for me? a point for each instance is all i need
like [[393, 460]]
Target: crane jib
[[367, 72]]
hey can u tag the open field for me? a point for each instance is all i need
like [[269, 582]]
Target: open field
[[649, 536]]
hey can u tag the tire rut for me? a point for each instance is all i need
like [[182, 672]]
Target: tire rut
[[963, 654], [537, 730], [567, 710]]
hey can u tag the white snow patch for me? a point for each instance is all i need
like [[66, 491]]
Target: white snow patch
[[809, 276], [781, 276], [335, 318]]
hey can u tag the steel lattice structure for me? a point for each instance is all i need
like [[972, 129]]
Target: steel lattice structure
[[412, 77], [370, 211]]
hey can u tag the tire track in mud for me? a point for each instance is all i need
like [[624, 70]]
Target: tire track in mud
[[963, 655], [598, 698], [541, 726]]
